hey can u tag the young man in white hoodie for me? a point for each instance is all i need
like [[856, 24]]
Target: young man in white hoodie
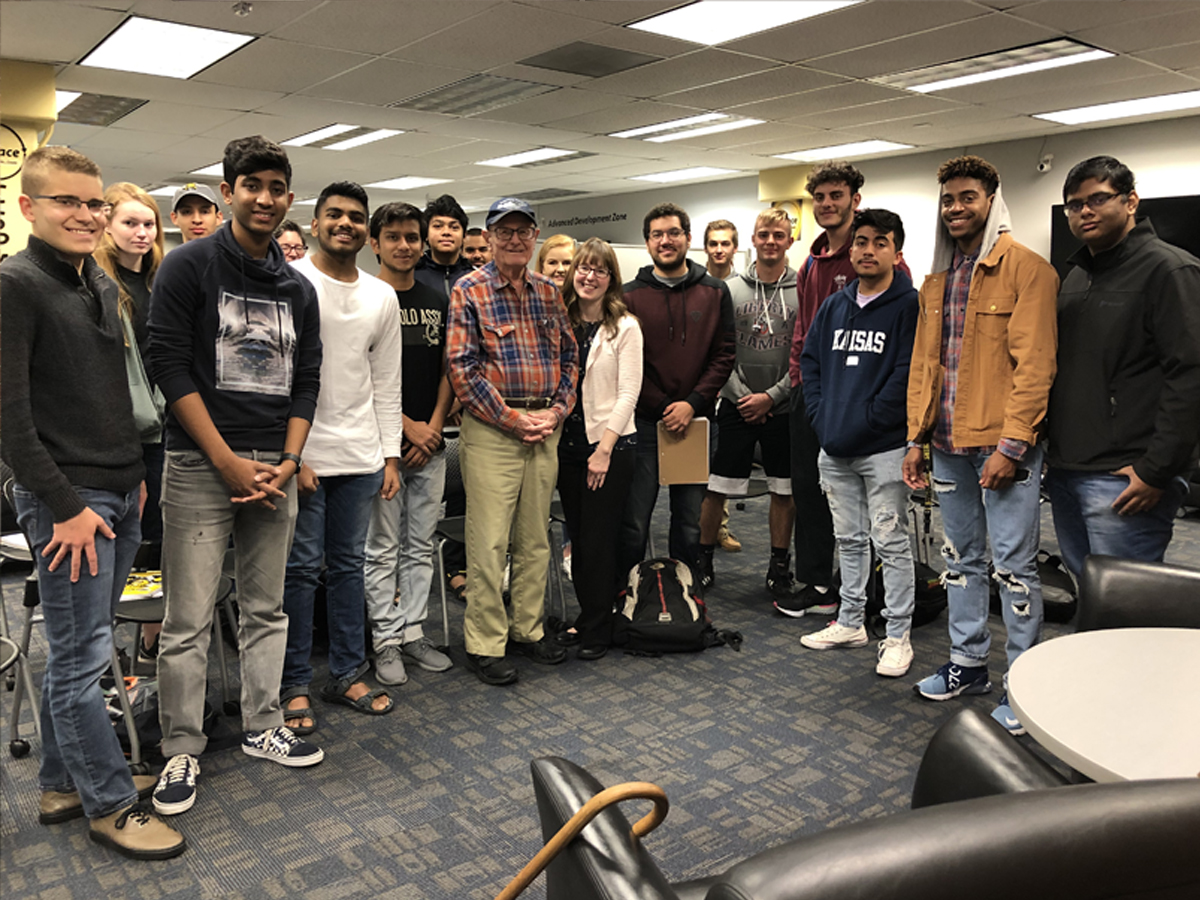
[[353, 455], [982, 365]]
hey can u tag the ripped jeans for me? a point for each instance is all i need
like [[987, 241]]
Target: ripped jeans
[[868, 502], [1010, 518]]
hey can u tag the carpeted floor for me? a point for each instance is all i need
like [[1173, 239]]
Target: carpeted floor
[[435, 801]]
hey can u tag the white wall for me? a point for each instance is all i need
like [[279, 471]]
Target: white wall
[[1164, 156]]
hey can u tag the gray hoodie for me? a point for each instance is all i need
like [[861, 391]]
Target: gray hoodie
[[765, 316]]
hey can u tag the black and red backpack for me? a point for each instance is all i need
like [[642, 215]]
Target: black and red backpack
[[661, 613]]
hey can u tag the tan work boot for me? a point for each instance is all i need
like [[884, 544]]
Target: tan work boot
[[138, 833], [727, 542], [63, 806]]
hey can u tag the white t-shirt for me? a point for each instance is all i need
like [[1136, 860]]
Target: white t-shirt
[[358, 420]]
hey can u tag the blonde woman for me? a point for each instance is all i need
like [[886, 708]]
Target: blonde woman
[[597, 450], [555, 258]]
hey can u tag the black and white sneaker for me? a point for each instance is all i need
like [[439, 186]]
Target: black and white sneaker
[[280, 745], [176, 788], [808, 601]]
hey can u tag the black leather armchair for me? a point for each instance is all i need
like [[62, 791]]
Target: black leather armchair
[[1135, 839], [1127, 593]]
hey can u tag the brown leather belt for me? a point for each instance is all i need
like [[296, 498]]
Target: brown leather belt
[[529, 402]]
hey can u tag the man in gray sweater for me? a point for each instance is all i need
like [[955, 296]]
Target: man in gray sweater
[[753, 405]]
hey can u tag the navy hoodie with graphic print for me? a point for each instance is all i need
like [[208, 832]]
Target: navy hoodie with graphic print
[[855, 369], [244, 333]]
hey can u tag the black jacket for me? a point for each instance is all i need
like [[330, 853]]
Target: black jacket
[[1128, 383], [67, 419], [244, 333], [441, 278]]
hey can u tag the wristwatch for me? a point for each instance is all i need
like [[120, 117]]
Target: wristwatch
[[294, 458]]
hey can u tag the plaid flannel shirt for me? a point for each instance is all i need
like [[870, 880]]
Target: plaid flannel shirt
[[506, 342], [954, 306]]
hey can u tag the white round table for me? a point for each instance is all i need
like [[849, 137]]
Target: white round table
[[1119, 704]]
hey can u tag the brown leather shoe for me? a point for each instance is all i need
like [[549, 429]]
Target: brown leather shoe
[[728, 542], [63, 806], [138, 833]]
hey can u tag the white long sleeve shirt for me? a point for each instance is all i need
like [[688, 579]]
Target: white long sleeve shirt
[[358, 421]]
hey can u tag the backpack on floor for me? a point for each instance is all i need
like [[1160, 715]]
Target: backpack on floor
[[660, 613]]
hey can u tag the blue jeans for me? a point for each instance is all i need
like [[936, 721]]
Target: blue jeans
[[80, 750], [1086, 522], [868, 501], [331, 525], [684, 534], [1010, 519]]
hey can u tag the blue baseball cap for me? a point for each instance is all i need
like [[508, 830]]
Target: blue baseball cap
[[506, 205]]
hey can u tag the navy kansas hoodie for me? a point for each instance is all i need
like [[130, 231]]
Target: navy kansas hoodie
[[855, 369], [243, 333]]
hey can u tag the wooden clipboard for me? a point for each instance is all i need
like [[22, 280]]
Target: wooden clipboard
[[683, 460]]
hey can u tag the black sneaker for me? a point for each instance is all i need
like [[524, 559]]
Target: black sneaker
[[545, 651], [147, 659], [707, 576], [780, 582], [493, 669], [176, 789], [808, 601]]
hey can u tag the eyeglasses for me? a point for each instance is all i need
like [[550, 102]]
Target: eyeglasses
[[293, 251], [504, 234], [1093, 201], [674, 234], [587, 271], [71, 203]]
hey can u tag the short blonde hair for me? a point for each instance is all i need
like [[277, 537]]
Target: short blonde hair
[[33, 173], [774, 216]]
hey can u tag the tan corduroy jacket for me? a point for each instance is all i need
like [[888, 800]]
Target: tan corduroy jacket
[[1010, 341]]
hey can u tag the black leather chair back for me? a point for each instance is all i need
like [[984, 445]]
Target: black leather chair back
[[972, 755], [1127, 593]]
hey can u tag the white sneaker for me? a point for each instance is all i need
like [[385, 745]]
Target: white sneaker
[[835, 635], [895, 656]]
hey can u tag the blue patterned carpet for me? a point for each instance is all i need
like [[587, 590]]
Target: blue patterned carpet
[[435, 801]]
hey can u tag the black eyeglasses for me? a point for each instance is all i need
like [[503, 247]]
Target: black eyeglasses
[[504, 234], [1092, 201], [586, 271], [71, 203], [674, 234]]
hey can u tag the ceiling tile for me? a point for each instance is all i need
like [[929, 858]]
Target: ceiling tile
[[1180, 57], [1146, 34], [175, 118], [617, 12], [823, 100], [70, 133], [680, 73], [502, 35], [263, 19], [1089, 95], [806, 140], [134, 143], [536, 75], [641, 42], [987, 34], [155, 87], [743, 139], [53, 32], [284, 66], [624, 117], [378, 27], [866, 114], [856, 26], [1078, 16], [553, 106], [384, 81], [750, 88]]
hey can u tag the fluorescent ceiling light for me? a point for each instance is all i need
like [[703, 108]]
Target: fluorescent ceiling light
[[669, 126], [309, 202], [683, 174], [319, 135], [990, 66], [63, 99], [151, 47], [406, 183], [718, 21], [167, 190], [529, 156], [216, 170], [369, 138], [1143, 106], [708, 129], [843, 151]]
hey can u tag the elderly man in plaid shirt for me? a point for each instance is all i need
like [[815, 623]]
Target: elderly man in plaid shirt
[[513, 363]]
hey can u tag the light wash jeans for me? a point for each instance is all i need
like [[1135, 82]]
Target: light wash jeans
[[868, 501], [198, 520], [80, 750], [1086, 522], [400, 554], [331, 527], [1010, 519]]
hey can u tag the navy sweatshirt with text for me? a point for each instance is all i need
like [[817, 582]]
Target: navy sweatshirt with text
[[855, 369], [243, 333]]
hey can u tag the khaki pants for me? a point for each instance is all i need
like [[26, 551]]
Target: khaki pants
[[509, 486]]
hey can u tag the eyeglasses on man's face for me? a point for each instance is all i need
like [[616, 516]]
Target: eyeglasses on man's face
[[293, 251], [599, 272], [1092, 201], [71, 203], [674, 234], [504, 234]]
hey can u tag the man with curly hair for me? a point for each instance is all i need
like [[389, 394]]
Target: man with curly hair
[[982, 365]]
